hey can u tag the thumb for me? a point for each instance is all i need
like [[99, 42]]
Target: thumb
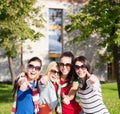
[[63, 95]]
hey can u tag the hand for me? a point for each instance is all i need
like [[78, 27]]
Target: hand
[[44, 80], [23, 87], [21, 80], [66, 99], [24, 84], [88, 74], [20, 75], [92, 77]]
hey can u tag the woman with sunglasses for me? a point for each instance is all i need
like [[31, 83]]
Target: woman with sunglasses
[[65, 85], [89, 89], [48, 98], [26, 96]]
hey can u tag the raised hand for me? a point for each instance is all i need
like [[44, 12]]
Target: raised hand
[[44, 80], [66, 99]]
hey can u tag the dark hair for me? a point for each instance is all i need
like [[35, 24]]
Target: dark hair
[[15, 86], [86, 63], [35, 59], [70, 76]]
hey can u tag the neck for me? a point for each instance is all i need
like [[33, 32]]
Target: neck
[[64, 77], [83, 80], [30, 80]]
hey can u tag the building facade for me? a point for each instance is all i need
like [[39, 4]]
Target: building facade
[[56, 40]]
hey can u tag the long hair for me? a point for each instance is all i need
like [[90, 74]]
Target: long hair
[[70, 76], [86, 63]]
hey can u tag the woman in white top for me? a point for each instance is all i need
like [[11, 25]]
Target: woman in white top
[[48, 98], [89, 89]]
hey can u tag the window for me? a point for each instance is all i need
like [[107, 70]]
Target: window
[[55, 32]]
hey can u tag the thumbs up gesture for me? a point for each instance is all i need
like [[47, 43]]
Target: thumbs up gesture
[[44, 79], [66, 99]]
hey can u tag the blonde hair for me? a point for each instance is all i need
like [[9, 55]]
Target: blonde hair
[[50, 66]]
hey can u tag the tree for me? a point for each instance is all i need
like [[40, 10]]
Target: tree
[[101, 17], [16, 19]]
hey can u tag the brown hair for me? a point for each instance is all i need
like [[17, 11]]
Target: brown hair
[[70, 76]]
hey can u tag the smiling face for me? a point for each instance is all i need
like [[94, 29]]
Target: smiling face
[[80, 69], [65, 66], [54, 74], [33, 70]]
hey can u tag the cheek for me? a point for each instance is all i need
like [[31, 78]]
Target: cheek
[[81, 72]]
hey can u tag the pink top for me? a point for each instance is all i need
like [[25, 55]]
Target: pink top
[[73, 107]]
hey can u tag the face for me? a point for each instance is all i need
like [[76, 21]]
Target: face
[[65, 65], [33, 70], [80, 69], [54, 74]]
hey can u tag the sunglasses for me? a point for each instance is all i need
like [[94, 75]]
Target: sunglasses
[[77, 67], [37, 68], [67, 65], [55, 72]]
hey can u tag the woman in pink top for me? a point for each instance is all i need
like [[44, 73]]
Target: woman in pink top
[[64, 86]]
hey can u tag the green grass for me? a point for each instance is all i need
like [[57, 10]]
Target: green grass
[[110, 97], [6, 99], [109, 90]]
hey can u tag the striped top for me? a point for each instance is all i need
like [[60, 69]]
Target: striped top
[[91, 99]]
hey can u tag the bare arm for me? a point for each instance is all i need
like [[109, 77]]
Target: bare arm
[[71, 94], [73, 90]]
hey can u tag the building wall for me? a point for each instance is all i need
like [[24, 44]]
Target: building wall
[[40, 48]]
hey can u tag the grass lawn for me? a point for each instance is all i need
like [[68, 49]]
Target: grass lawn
[[109, 90], [110, 97]]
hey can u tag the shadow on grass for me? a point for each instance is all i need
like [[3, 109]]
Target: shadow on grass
[[6, 93]]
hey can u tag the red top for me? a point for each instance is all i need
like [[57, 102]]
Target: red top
[[73, 107]]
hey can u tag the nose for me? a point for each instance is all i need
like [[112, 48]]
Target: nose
[[33, 69]]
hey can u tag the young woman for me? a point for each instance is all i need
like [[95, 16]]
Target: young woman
[[89, 89], [48, 98], [26, 97], [65, 84]]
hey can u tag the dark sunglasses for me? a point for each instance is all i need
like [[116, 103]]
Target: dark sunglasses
[[55, 72], [37, 68], [67, 64], [77, 67]]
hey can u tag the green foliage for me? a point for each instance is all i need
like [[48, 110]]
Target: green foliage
[[16, 16], [99, 17]]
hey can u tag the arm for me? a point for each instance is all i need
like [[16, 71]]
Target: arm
[[73, 90], [42, 83], [71, 94]]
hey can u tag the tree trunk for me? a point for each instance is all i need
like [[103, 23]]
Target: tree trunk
[[11, 68], [21, 58], [116, 52]]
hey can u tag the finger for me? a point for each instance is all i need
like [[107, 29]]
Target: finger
[[63, 95], [88, 74]]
